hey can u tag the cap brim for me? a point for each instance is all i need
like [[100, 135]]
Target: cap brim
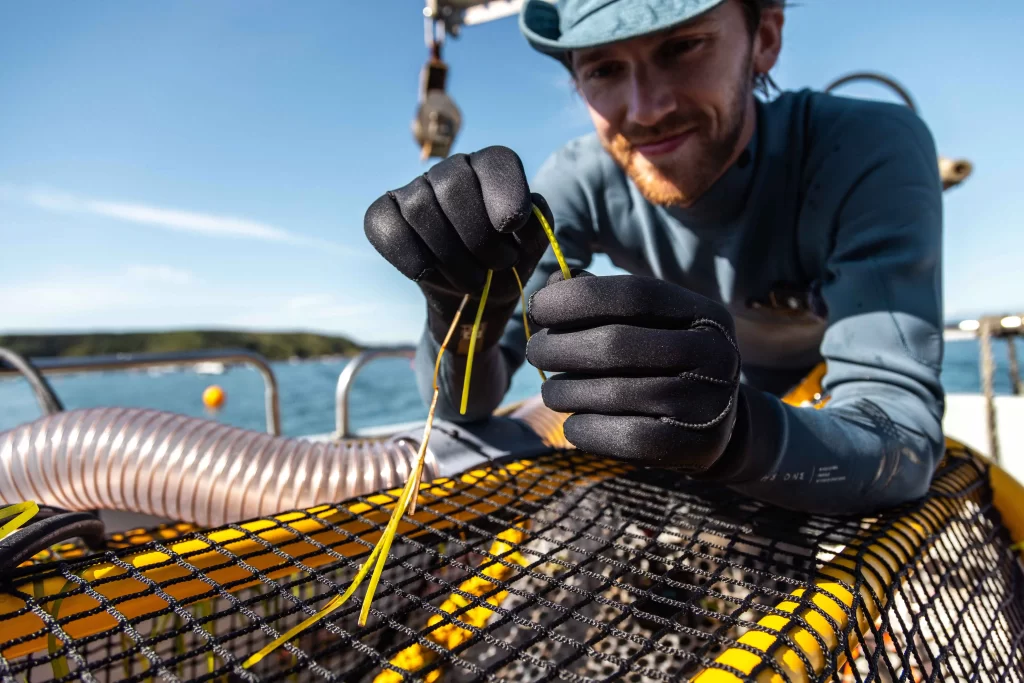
[[616, 21]]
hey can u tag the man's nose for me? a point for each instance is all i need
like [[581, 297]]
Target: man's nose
[[651, 99]]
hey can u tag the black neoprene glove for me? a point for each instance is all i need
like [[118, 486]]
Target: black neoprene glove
[[650, 373], [445, 229]]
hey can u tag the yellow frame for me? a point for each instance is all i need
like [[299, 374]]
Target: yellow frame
[[832, 596]]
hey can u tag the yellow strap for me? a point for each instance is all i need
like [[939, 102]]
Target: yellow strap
[[21, 512]]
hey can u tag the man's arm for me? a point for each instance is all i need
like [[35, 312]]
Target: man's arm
[[558, 182], [878, 439]]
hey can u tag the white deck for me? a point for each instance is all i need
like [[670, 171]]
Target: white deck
[[965, 421]]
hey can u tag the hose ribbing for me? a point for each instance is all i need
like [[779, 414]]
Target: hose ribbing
[[188, 468]]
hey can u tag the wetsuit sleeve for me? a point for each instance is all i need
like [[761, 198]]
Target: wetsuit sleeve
[[558, 181], [878, 439]]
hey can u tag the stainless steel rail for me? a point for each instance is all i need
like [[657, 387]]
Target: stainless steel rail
[[343, 428], [45, 396], [62, 365]]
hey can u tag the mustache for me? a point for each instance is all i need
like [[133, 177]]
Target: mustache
[[671, 125]]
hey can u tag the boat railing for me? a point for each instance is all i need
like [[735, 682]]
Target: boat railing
[[346, 379], [35, 369]]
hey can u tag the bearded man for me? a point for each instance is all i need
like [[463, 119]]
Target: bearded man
[[763, 239]]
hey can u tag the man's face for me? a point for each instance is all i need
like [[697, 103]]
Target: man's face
[[674, 109]]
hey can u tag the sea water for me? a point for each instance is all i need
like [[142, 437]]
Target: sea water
[[384, 392]]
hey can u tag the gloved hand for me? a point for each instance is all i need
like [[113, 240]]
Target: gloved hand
[[445, 229], [651, 372]]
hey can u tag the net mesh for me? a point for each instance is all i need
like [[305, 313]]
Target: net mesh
[[566, 567]]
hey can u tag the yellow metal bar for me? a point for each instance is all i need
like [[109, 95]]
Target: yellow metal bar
[[1007, 497], [882, 559], [451, 635], [808, 391]]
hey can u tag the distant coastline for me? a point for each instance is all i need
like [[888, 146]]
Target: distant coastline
[[271, 345]]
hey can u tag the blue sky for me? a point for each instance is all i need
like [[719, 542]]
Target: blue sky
[[180, 164]]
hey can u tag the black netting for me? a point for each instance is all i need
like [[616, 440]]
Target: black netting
[[76, 548], [568, 568]]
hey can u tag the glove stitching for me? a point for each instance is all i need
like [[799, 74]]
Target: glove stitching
[[711, 380], [686, 425], [529, 308], [514, 218], [702, 322], [707, 322]]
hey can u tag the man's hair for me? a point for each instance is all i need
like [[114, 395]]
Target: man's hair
[[752, 9]]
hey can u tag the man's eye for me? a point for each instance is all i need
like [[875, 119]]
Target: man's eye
[[601, 71], [681, 47]]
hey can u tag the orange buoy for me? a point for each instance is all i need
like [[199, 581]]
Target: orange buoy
[[213, 396]]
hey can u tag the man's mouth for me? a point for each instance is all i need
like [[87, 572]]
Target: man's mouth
[[663, 145]]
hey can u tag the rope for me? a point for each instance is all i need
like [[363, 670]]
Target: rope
[[1011, 351], [987, 374]]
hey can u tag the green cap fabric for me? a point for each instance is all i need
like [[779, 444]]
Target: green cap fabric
[[574, 24]]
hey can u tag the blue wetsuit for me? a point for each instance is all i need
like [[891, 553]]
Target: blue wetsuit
[[824, 241]]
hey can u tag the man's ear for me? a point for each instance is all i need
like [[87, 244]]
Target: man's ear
[[768, 41]]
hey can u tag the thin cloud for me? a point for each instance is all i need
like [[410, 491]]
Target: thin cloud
[[167, 218], [161, 274], [139, 297], [78, 295]]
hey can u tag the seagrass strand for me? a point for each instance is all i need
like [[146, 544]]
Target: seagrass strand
[[378, 557], [472, 341], [407, 500], [554, 242], [522, 296], [526, 324], [421, 456]]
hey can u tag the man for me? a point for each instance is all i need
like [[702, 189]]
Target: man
[[762, 238]]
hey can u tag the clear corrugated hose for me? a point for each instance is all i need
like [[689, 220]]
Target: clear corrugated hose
[[188, 468]]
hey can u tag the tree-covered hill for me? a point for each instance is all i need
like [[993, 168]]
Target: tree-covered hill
[[273, 345]]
